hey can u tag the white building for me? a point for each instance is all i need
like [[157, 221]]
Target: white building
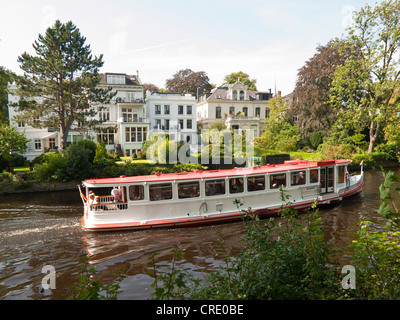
[[172, 113], [122, 124], [236, 106]]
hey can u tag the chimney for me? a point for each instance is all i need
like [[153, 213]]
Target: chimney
[[279, 94], [200, 92]]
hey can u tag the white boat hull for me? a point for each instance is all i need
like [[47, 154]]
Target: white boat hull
[[210, 210]]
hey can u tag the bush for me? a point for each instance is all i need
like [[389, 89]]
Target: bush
[[53, 168], [373, 160]]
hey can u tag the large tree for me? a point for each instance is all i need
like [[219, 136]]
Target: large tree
[[6, 77], [59, 85], [364, 88], [188, 81], [312, 91], [242, 77]]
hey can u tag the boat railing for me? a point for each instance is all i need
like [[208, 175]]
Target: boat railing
[[106, 203]]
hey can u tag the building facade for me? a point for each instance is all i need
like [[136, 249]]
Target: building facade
[[124, 124], [236, 106], [172, 113]]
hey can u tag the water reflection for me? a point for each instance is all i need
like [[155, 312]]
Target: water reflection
[[44, 229]]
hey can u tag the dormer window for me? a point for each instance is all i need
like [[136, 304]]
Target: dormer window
[[242, 95], [234, 95], [115, 79]]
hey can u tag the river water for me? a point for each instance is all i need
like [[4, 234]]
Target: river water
[[43, 229]]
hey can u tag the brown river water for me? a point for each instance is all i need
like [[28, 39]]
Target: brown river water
[[43, 229]]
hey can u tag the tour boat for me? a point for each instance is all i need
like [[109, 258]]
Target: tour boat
[[213, 196]]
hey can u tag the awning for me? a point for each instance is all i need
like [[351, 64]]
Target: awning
[[51, 135]]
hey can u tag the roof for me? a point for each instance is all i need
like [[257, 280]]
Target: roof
[[210, 174], [221, 93], [130, 80]]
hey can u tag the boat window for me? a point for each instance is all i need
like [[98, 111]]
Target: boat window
[[215, 187], [341, 174], [236, 185], [277, 180], [297, 178], [136, 193], [188, 190], [160, 191], [313, 176], [255, 183]]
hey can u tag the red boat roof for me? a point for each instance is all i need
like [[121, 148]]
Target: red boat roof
[[207, 174]]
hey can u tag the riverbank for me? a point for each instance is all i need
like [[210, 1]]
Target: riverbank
[[7, 188]]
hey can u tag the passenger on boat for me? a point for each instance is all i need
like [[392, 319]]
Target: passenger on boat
[[116, 193], [91, 197]]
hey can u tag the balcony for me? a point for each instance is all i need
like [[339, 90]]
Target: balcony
[[126, 100]]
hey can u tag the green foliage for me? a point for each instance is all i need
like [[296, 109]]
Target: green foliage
[[53, 168], [11, 140], [316, 139], [64, 72], [242, 77], [365, 89], [90, 289], [280, 133], [281, 259], [78, 161], [374, 160]]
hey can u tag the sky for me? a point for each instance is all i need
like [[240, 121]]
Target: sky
[[268, 39]]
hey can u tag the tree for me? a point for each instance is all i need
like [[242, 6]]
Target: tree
[[280, 133], [242, 77], [364, 88], [59, 83], [150, 87], [188, 81], [313, 89], [6, 77], [11, 140]]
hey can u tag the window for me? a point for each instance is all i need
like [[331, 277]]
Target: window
[[135, 134], [129, 115], [180, 109], [189, 109], [245, 111], [166, 109], [341, 174], [277, 180], [313, 176], [218, 114], [21, 124], [157, 109], [215, 187], [266, 113], [107, 135], [158, 124], [232, 110], [234, 95], [136, 193], [52, 143], [38, 144], [104, 114], [258, 112], [241, 95], [166, 126], [236, 185], [188, 190], [297, 178], [160, 191], [188, 124], [180, 123], [116, 79], [255, 183]]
